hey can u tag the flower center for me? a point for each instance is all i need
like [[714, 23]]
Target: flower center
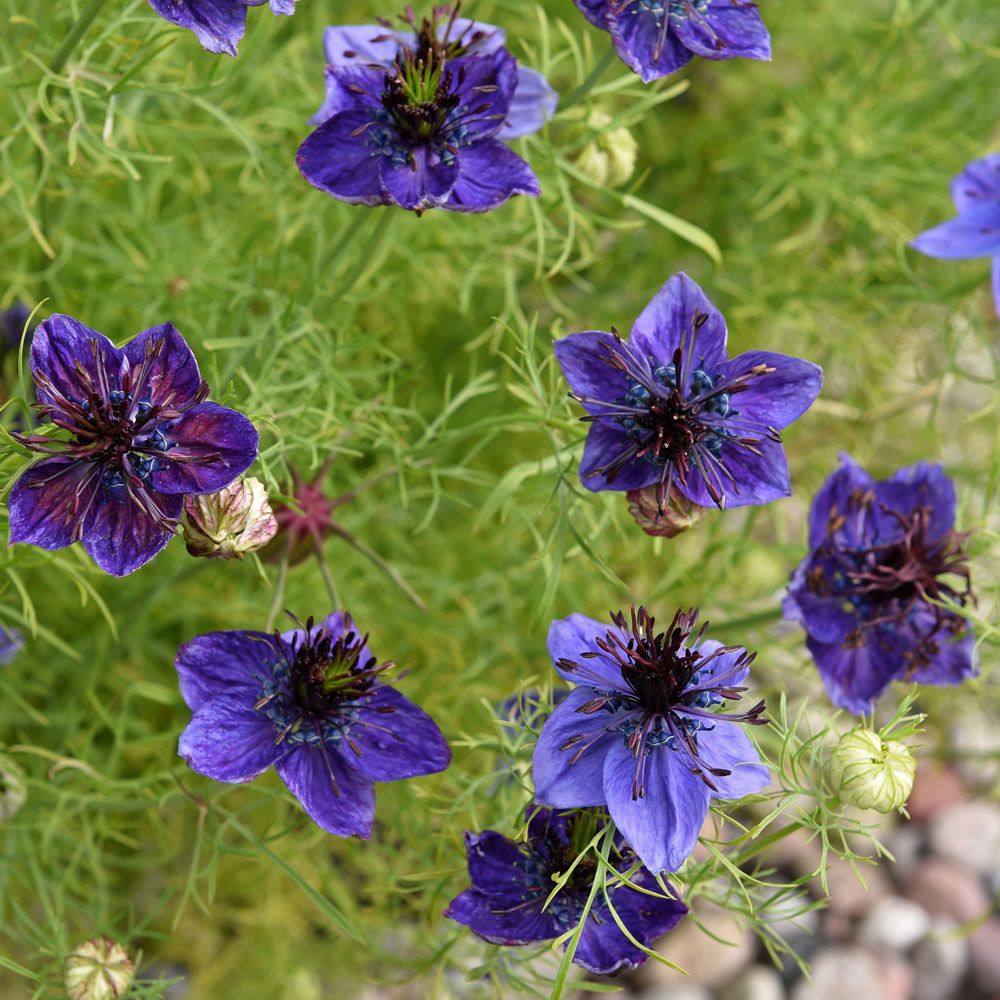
[[328, 673]]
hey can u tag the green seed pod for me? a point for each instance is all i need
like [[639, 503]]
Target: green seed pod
[[870, 772], [99, 969], [609, 158]]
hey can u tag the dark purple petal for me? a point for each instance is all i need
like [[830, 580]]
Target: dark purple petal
[[120, 536], [500, 925], [49, 500], [558, 780], [396, 738], [643, 46], [337, 797], [924, 484], [666, 324], [338, 159], [832, 501], [974, 233], [488, 175], [533, 104], [582, 357], [233, 664], [956, 660], [61, 347], [728, 748], [426, 183], [496, 866], [727, 29], [208, 448], [605, 441], [595, 11], [368, 44], [855, 675], [227, 740], [756, 479], [486, 85], [476, 37], [569, 638], [661, 827], [978, 182], [778, 399], [162, 367], [343, 84], [822, 617], [218, 24]]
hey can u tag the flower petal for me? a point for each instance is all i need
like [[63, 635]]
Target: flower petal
[[208, 448], [957, 658], [559, 781], [397, 739], [924, 484], [978, 182], [729, 748], [569, 638], [368, 44], [643, 46], [486, 85], [756, 479], [533, 104], [777, 399], [338, 159], [662, 826], [426, 183], [724, 31], [227, 740], [48, 502], [605, 441], [595, 11], [218, 24], [349, 88], [974, 233], [162, 367], [502, 925], [489, 174], [496, 865], [337, 797], [225, 663], [667, 323], [831, 501], [68, 354], [855, 675], [120, 536], [583, 359]]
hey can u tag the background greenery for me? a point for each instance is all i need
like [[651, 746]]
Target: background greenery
[[148, 180]]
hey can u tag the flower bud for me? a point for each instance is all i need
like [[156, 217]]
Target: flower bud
[[871, 772], [678, 514], [99, 969], [13, 792], [608, 159], [230, 523]]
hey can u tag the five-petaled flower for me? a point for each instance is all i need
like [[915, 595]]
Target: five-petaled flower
[[138, 437], [657, 37], [642, 733], [423, 132], [884, 561], [218, 24], [311, 703], [669, 408], [975, 231], [512, 881]]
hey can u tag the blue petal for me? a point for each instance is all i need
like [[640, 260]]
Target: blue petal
[[534, 103], [974, 233], [217, 24], [726, 30], [221, 663], [978, 182], [227, 740], [569, 638]]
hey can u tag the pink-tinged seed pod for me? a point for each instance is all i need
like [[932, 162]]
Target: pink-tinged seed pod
[[228, 524], [677, 516], [99, 969]]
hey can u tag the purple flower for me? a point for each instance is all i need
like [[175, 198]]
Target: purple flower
[[139, 437], [975, 231], [218, 24], [311, 703], [641, 732], [882, 555], [420, 128], [371, 45], [511, 882], [668, 407], [11, 643], [655, 38]]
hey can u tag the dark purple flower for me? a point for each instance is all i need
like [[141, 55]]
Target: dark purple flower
[[511, 882], [13, 326], [371, 45], [669, 408], [139, 437], [657, 37], [882, 555], [11, 643], [218, 24], [642, 734], [310, 702], [422, 133], [975, 231]]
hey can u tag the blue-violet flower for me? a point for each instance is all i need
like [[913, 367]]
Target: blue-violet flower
[[218, 24]]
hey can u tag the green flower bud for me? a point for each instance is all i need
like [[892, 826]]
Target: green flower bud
[[99, 969], [13, 793], [230, 523], [871, 772], [678, 515], [609, 158]]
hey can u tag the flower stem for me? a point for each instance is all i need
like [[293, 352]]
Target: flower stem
[[365, 256], [83, 22], [588, 84], [279, 593]]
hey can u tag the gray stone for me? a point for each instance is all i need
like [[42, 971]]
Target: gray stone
[[984, 950], [946, 889], [759, 982], [894, 923], [849, 972], [681, 991], [941, 961], [935, 788], [853, 890], [969, 833]]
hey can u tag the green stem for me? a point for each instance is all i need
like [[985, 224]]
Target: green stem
[[279, 592], [588, 84], [764, 843], [364, 258], [77, 32]]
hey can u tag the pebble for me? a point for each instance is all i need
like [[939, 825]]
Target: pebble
[[759, 982], [969, 832], [682, 991], [848, 895], [946, 889], [894, 923], [935, 788], [984, 950], [850, 971], [941, 961]]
